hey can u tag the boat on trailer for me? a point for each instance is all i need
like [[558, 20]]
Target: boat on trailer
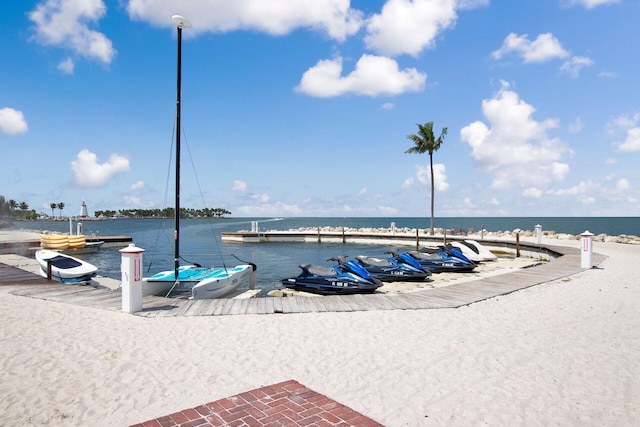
[[204, 282]]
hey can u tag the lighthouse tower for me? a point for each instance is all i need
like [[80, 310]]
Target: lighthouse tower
[[83, 210]]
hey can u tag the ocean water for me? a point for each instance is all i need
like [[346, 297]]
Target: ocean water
[[201, 237]]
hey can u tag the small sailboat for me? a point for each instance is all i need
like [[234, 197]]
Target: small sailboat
[[204, 282], [65, 268]]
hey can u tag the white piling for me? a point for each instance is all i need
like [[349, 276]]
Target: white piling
[[586, 250], [538, 234], [393, 228], [131, 269], [79, 229]]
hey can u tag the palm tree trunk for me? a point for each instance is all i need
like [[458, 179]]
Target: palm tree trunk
[[432, 193]]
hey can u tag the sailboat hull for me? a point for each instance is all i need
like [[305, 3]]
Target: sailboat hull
[[205, 283]]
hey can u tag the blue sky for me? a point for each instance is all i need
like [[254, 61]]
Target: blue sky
[[302, 108]]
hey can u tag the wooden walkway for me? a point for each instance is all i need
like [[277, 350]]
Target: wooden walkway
[[27, 284]]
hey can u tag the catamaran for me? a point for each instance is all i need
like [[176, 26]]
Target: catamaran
[[204, 282]]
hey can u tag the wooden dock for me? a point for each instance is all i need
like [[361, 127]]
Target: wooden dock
[[26, 284]]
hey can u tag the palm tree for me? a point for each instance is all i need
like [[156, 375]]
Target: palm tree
[[12, 205], [23, 206], [61, 206], [53, 206], [425, 142]]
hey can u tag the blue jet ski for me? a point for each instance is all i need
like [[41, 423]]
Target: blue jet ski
[[342, 279], [393, 269], [443, 259]]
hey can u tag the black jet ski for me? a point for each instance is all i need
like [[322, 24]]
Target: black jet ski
[[443, 259], [394, 269], [345, 278]]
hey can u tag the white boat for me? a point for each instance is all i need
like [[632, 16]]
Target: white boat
[[204, 282], [92, 244], [474, 250], [65, 268]]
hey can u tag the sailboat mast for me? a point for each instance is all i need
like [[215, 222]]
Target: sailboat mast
[[180, 23], [176, 231]]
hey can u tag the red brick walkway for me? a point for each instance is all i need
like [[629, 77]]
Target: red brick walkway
[[285, 404]]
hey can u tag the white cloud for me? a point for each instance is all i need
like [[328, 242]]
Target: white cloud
[[576, 126], [575, 64], [584, 187], [12, 121], [532, 192], [632, 142], [629, 124], [261, 198], [137, 185], [239, 185], [409, 26], [65, 23], [623, 184], [471, 4], [423, 176], [514, 147], [387, 106], [362, 191], [590, 4], [467, 203], [544, 48], [585, 192], [334, 17], [90, 174], [625, 121], [407, 183], [270, 209], [607, 74], [387, 210], [67, 66], [132, 201], [587, 200], [372, 76]]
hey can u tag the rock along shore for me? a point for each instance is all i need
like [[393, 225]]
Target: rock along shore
[[472, 234]]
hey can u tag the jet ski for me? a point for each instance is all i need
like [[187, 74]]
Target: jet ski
[[393, 269], [474, 250], [344, 278], [443, 259]]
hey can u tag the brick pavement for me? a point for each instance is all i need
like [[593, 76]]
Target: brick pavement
[[284, 404]]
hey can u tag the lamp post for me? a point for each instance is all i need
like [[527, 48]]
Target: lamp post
[[181, 23]]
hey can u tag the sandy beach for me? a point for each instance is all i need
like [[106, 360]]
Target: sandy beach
[[562, 353]]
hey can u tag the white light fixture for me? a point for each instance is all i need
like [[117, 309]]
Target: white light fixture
[[181, 21]]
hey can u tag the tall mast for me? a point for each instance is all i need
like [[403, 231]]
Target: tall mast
[[181, 23]]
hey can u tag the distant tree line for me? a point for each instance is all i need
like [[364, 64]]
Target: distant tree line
[[12, 209], [165, 213]]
